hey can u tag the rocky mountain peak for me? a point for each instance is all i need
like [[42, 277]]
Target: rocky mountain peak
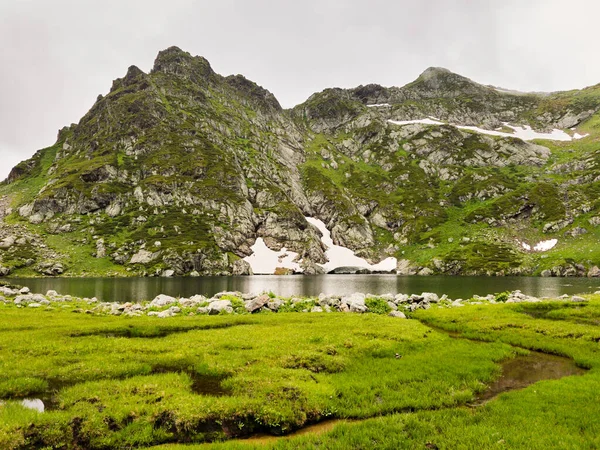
[[133, 72], [175, 61], [371, 94], [440, 82], [433, 72]]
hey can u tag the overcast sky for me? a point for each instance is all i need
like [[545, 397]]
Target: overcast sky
[[57, 56]]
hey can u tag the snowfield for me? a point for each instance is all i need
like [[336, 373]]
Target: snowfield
[[339, 256], [264, 261], [542, 246], [524, 132]]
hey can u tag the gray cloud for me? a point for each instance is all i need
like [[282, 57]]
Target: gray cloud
[[58, 56]]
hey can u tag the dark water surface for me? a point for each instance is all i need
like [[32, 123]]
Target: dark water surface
[[135, 289], [522, 371]]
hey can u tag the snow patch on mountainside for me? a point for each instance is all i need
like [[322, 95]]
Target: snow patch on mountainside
[[263, 260], [524, 132], [426, 121], [542, 246], [580, 136], [339, 256]]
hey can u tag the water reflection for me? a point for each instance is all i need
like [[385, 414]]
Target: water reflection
[[135, 289]]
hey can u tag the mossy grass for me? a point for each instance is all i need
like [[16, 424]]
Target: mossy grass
[[554, 414], [119, 381]]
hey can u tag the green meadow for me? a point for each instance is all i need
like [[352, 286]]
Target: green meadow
[[212, 381]]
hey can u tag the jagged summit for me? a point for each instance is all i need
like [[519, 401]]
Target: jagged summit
[[175, 61]]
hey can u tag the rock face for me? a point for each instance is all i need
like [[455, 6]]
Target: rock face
[[180, 170]]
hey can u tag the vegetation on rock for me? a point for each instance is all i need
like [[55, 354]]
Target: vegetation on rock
[[179, 170]]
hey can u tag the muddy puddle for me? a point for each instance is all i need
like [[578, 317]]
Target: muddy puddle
[[208, 385], [522, 371], [314, 429]]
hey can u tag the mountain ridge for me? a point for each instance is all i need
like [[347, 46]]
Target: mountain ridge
[[180, 170]]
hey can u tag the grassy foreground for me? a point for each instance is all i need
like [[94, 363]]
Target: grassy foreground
[[117, 382]]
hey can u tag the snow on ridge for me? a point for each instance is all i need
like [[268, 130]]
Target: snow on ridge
[[426, 121], [524, 132], [339, 256], [374, 105], [263, 260]]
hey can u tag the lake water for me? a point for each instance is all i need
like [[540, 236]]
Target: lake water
[[135, 289]]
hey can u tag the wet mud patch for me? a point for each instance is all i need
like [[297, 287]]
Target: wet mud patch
[[522, 371], [202, 384], [546, 310], [153, 331], [208, 385], [313, 429]]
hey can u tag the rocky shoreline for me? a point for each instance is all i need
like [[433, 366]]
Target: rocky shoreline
[[164, 306]]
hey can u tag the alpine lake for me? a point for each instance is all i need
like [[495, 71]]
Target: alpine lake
[[139, 289]]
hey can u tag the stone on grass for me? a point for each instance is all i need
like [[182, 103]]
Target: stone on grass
[[163, 300], [430, 297], [218, 306], [355, 302], [274, 304], [257, 303]]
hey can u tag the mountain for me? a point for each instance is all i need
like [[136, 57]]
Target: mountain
[[184, 171]]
